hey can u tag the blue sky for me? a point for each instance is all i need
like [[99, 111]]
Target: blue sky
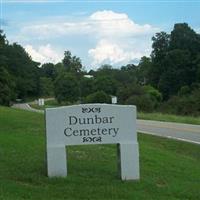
[[99, 32]]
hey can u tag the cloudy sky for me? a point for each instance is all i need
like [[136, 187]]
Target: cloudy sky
[[99, 32]]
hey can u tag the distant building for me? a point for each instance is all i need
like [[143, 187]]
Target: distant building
[[114, 99], [88, 76]]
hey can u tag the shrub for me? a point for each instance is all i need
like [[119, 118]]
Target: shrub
[[66, 88], [183, 105], [143, 102], [98, 97], [124, 93], [154, 93], [185, 90]]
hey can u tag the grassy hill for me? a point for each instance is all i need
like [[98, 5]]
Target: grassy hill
[[169, 169]]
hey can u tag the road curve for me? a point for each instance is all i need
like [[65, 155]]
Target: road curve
[[178, 131], [25, 106]]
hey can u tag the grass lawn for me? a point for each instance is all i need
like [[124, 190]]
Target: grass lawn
[[169, 118], [170, 170]]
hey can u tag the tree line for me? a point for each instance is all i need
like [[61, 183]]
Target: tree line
[[167, 81]]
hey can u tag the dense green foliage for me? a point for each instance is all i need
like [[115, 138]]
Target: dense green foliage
[[167, 81], [175, 60], [98, 97], [66, 88], [21, 74], [165, 166], [6, 87]]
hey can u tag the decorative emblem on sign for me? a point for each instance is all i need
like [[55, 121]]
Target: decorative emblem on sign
[[92, 139], [93, 110]]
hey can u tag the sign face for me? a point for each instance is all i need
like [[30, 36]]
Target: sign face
[[41, 102], [88, 124], [114, 100]]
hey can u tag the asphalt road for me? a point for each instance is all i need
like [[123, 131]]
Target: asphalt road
[[179, 131], [185, 132], [25, 106]]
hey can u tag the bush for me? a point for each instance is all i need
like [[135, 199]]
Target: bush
[[125, 92], [67, 88], [185, 90], [183, 105], [154, 93], [143, 102], [98, 97]]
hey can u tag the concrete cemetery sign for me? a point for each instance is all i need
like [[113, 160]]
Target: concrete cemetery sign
[[40, 102], [92, 124]]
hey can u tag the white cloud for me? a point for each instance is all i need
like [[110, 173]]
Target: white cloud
[[197, 30], [107, 52], [101, 23], [43, 54], [121, 40], [116, 38], [119, 24]]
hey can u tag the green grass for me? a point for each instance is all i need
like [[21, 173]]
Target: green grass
[[170, 170], [169, 118]]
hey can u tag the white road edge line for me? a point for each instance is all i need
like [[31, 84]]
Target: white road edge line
[[185, 140], [167, 136]]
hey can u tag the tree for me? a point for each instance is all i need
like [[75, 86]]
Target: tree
[[127, 91], [46, 87], [143, 70], [3, 44], [175, 60], [127, 74], [2, 39], [106, 84], [160, 46], [71, 63], [86, 86], [48, 70], [18, 70], [6, 87], [178, 70], [197, 63], [67, 88], [185, 38], [98, 97], [23, 69]]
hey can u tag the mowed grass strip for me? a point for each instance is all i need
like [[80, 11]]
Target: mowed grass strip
[[169, 118], [169, 169]]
